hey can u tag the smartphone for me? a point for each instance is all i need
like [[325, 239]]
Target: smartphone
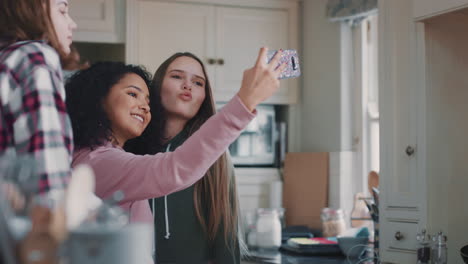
[[289, 57]]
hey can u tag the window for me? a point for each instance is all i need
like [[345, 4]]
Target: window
[[370, 96], [361, 62]]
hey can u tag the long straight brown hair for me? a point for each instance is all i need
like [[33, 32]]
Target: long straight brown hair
[[28, 20], [217, 190]]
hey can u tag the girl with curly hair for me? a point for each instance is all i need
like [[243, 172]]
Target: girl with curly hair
[[109, 104]]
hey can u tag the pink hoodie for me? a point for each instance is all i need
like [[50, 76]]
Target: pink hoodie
[[149, 176]]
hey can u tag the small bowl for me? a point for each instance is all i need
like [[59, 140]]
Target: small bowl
[[464, 253], [352, 247]]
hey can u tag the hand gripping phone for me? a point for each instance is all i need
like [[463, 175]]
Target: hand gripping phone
[[289, 57]]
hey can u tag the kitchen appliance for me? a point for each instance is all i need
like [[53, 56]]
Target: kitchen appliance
[[261, 142], [464, 253]]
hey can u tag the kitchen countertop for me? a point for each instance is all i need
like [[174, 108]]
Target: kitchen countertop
[[291, 258]]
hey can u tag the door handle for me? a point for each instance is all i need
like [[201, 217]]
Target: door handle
[[399, 236], [211, 61], [409, 151]]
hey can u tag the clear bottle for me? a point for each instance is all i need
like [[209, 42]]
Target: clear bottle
[[439, 249], [424, 248], [268, 235]]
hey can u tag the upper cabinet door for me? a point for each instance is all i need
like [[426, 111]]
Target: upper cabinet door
[[163, 29], [99, 20], [226, 38], [428, 8], [240, 34]]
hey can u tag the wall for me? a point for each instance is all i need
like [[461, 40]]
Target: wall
[[447, 128], [327, 86], [320, 99]]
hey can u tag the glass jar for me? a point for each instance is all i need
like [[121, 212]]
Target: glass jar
[[424, 249], [268, 229], [250, 230], [439, 249], [333, 222]]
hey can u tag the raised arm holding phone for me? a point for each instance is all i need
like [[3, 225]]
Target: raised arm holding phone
[[105, 114]]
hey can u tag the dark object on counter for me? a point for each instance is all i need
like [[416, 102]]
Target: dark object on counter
[[296, 231], [353, 247], [319, 246], [315, 250], [424, 254], [464, 253], [424, 249]]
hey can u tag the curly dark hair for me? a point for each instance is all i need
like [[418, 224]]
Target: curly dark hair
[[86, 90]]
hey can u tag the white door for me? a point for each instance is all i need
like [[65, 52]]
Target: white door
[[167, 28], [402, 188], [240, 34], [398, 133]]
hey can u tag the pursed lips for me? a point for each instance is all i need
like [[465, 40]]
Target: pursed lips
[[186, 96]]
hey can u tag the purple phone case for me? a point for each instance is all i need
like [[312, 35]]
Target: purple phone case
[[290, 57]]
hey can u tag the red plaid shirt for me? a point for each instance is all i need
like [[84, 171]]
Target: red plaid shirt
[[33, 116]]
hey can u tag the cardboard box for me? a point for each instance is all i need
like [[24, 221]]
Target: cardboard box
[[305, 191]]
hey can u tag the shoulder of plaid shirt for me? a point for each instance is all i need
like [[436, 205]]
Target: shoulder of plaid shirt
[[33, 114]]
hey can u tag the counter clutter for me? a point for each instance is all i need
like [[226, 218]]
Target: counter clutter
[[300, 246], [72, 226], [282, 257]]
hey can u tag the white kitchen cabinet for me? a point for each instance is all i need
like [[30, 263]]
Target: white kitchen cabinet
[[424, 148], [101, 21], [226, 35], [427, 8], [401, 205]]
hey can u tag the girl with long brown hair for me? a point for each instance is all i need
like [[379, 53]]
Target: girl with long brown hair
[[35, 36], [200, 223]]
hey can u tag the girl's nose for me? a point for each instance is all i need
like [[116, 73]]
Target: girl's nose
[[73, 24], [187, 85], [145, 107]]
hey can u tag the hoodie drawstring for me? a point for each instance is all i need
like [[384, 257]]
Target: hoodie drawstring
[[166, 214], [168, 234]]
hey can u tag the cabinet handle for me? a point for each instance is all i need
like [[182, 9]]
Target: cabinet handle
[[220, 61], [211, 61], [409, 151], [399, 236]]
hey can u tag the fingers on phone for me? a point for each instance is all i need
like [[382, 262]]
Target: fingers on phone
[[280, 68], [261, 56], [275, 61]]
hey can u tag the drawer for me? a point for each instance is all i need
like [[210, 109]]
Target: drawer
[[402, 235]]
